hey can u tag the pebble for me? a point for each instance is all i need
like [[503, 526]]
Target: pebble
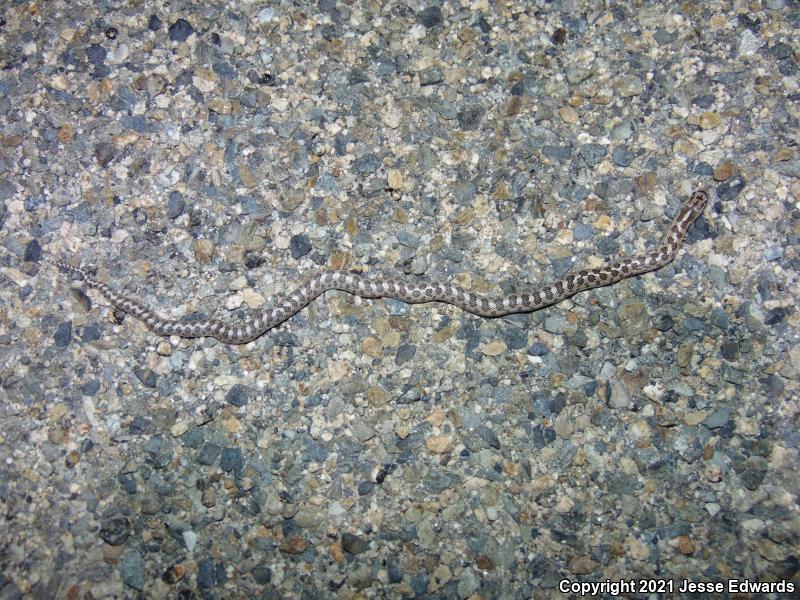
[[180, 30]]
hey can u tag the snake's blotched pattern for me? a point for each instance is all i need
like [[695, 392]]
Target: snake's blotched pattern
[[414, 293]]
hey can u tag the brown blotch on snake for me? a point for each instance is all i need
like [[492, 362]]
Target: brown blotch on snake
[[412, 293]]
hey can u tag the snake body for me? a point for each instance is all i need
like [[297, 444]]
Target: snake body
[[413, 293]]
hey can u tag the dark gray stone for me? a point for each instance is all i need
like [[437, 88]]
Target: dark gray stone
[[537, 349], [116, 530], [430, 17], [728, 190], [33, 251], [353, 544], [366, 164], [299, 245], [63, 334], [262, 574], [175, 204], [96, 54], [231, 460], [436, 481], [180, 30], [104, 153], [718, 418], [131, 568], [622, 157], [470, 117], [405, 352], [238, 395], [542, 436], [208, 454], [146, 376], [592, 154], [489, 436]]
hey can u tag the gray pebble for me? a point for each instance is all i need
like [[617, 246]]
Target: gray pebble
[[542, 436], [299, 245], [7, 190], [366, 164], [116, 530], [104, 153], [436, 481], [489, 436], [582, 232], [622, 157], [431, 76], [431, 17], [33, 251], [238, 395], [718, 418], [175, 204], [592, 154], [470, 117], [180, 30], [208, 454], [537, 349], [63, 334], [96, 54], [132, 569], [731, 188], [231, 460], [146, 376], [405, 352], [353, 544]]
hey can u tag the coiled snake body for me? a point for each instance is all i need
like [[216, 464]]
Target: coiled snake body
[[413, 293]]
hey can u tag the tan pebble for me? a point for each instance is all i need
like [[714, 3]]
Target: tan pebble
[[686, 147], [494, 348], [637, 549], [582, 565], [784, 154], [294, 545], [685, 545], [713, 473], [164, 348], [231, 424], [66, 133], [395, 179], [371, 346], [439, 444], [59, 82], [179, 428], [723, 171], [684, 356], [203, 250], [441, 576], [337, 370], [208, 498], [377, 396], [709, 120], [563, 505], [436, 418], [696, 417], [402, 430], [252, 298], [568, 114], [250, 364], [336, 551]]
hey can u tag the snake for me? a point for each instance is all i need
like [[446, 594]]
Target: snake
[[254, 326]]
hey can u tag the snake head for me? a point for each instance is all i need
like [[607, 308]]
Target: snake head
[[698, 201]]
